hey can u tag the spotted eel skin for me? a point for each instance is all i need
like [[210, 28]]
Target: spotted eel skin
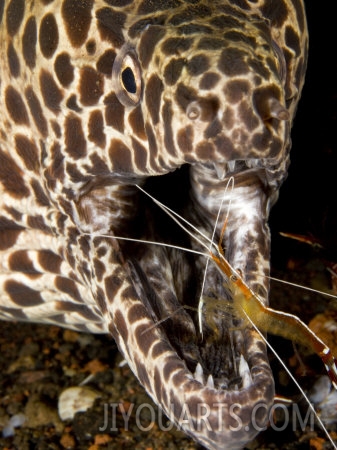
[[98, 96]]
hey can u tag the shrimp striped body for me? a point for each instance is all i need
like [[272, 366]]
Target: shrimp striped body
[[99, 96]]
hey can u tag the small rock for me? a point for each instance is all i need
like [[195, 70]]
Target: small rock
[[15, 421], [39, 413], [67, 441]]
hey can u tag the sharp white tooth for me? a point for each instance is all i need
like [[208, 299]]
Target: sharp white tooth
[[245, 373], [199, 374], [221, 170], [252, 163], [231, 165], [210, 381]]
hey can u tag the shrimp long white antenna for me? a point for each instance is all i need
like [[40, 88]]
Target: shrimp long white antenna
[[145, 241], [179, 219], [306, 288], [230, 184]]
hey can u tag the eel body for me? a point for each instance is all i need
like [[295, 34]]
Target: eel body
[[99, 96]]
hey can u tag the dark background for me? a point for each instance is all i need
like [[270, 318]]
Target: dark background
[[308, 199]]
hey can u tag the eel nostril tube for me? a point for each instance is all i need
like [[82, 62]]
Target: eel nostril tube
[[267, 104], [277, 110], [193, 110], [204, 109]]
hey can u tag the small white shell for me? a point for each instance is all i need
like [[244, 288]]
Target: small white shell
[[75, 399]]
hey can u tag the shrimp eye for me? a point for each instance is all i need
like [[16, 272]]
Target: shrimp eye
[[126, 76]]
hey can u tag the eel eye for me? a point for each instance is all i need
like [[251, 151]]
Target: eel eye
[[127, 79]]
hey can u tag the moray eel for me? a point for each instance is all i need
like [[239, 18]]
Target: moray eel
[[99, 96]]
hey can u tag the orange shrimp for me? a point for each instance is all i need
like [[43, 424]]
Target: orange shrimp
[[247, 304]]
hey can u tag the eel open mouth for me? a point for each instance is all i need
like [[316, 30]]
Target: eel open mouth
[[170, 282]]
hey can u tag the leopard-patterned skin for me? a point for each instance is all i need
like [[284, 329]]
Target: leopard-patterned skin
[[98, 96]]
